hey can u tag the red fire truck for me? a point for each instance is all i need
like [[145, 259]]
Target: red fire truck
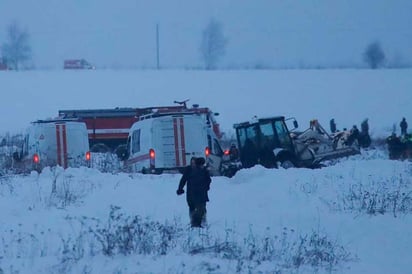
[[108, 129], [77, 64]]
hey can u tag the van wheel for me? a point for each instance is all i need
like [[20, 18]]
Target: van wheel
[[158, 171], [230, 172], [286, 164], [121, 152]]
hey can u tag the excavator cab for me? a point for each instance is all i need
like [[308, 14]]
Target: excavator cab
[[260, 138]]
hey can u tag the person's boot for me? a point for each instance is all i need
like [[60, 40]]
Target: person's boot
[[197, 218], [192, 217], [204, 220]]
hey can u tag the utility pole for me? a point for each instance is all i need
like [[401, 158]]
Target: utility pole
[[157, 47]]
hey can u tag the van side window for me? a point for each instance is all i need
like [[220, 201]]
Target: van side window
[[282, 132], [241, 134], [136, 141], [252, 133], [267, 137], [26, 145], [209, 141]]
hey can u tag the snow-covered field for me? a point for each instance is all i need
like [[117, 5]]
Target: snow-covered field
[[350, 217], [349, 96]]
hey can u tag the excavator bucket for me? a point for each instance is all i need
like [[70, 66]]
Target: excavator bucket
[[315, 144]]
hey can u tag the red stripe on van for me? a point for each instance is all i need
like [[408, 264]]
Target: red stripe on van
[[182, 141], [65, 164], [59, 152], [176, 142], [138, 159]]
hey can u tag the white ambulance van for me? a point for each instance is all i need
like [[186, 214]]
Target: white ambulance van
[[55, 142], [166, 143]]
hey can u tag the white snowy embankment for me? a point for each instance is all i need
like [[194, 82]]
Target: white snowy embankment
[[353, 203]]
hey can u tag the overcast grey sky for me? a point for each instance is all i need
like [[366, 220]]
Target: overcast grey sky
[[263, 32]]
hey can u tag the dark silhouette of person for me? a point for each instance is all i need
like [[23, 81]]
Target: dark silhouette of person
[[395, 147], [249, 154], [354, 135], [187, 169], [365, 127], [364, 138], [233, 152], [186, 176], [407, 143], [198, 181], [332, 125], [404, 126]]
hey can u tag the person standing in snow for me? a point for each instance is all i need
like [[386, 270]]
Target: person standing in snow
[[365, 127], [332, 125], [364, 137], [233, 152], [198, 181], [354, 135], [404, 126], [395, 147]]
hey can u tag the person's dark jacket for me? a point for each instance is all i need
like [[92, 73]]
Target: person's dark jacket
[[185, 177], [234, 153], [354, 135], [198, 183], [395, 146], [365, 127]]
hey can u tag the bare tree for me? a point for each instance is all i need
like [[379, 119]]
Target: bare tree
[[374, 55], [213, 45], [16, 50]]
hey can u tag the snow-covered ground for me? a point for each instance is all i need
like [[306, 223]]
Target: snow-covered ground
[[352, 217]]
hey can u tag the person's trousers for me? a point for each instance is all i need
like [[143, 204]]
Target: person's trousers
[[197, 214]]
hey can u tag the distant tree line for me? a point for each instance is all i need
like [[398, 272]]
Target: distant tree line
[[16, 51], [213, 44], [374, 55]]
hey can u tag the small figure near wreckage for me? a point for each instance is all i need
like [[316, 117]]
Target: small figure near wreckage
[[364, 138], [332, 125], [404, 126], [399, 147]]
